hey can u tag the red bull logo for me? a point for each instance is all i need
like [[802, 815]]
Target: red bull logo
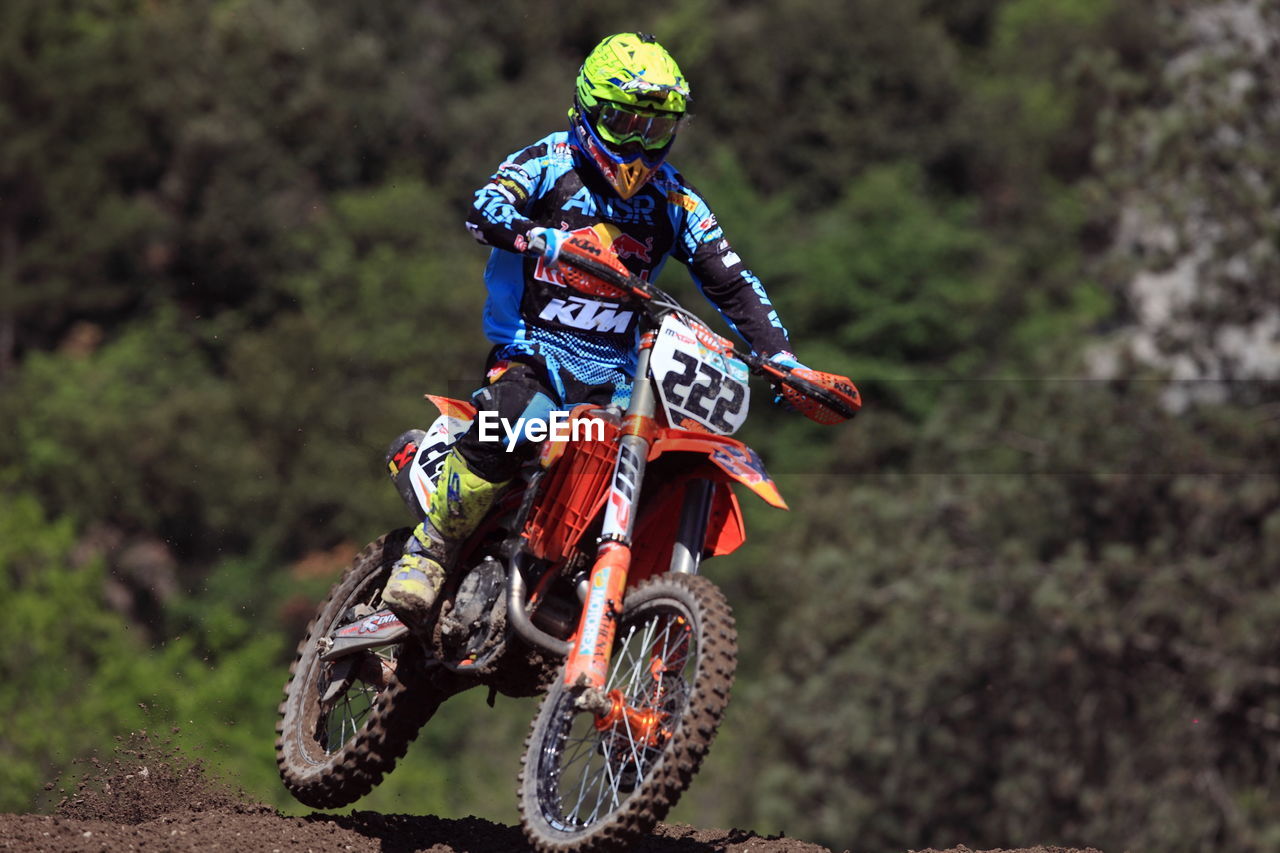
[[625, 246]]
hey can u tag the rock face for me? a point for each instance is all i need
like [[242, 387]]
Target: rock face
[[1195, 168]]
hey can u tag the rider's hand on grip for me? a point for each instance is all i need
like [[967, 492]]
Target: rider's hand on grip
[[546, 242], [788, 362], [825, 398]]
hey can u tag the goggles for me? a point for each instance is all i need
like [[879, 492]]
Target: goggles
[[620, 126]]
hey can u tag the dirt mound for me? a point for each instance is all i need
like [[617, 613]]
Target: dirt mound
[[150, 796], [359, 832], [1036, 849], [144, 780]]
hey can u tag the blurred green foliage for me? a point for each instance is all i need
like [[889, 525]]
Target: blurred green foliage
[[1069, 641], [76, 674], [1015, 607]]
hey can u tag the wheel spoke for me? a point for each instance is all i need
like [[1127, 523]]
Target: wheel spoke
[[349, 714]]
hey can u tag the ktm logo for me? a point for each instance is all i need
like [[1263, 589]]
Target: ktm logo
[[585, 314]]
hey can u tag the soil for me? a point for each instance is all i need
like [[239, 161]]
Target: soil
[[153, 798]]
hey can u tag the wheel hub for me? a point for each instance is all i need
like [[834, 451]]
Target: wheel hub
[[642, 725]]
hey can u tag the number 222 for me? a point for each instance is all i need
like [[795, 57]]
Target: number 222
[[698, 391]]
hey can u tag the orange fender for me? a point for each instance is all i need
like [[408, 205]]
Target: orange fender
[[739, 462]]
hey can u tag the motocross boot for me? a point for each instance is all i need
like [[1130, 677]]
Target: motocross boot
[[461, 500]]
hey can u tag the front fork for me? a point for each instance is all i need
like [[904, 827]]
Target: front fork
[[587, 666]]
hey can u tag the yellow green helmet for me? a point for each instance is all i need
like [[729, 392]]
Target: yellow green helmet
[[629, 101]]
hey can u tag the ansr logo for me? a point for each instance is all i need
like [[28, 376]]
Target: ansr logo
[[632, 211]]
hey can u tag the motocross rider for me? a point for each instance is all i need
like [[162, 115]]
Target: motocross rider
[[553, 347]]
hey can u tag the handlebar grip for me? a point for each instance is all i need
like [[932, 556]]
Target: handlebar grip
[[538, 244]]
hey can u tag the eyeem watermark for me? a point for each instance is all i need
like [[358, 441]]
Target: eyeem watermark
[[557, 427]]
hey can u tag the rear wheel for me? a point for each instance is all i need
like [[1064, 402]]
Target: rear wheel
[[344, 724], [597, 780]]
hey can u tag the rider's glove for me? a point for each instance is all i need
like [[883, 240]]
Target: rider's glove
[[547, 242], [788, 361]]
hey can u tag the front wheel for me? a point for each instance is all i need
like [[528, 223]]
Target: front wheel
[[597, 780]]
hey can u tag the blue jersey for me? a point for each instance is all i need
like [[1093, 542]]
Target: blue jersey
[[529, 311]]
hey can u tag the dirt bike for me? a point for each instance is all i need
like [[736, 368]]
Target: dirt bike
[[582, 583]]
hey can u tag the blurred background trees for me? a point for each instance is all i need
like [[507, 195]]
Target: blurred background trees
[[1030, 593]]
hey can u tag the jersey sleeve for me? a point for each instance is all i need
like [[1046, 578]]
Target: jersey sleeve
[[722, 276], [498, 214]]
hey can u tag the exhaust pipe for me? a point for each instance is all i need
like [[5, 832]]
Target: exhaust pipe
[[519, 617]]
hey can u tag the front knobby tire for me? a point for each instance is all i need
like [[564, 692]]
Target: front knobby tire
[[331, 755], [585, 787]]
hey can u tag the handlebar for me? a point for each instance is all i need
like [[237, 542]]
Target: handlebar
[[656, 304]]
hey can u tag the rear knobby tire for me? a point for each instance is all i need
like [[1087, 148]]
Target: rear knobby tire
[[583, 789], [324, 769]]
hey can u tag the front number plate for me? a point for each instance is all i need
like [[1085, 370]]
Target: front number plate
[[701, 388]]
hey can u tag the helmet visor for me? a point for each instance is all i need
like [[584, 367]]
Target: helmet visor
[[619, 126]]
